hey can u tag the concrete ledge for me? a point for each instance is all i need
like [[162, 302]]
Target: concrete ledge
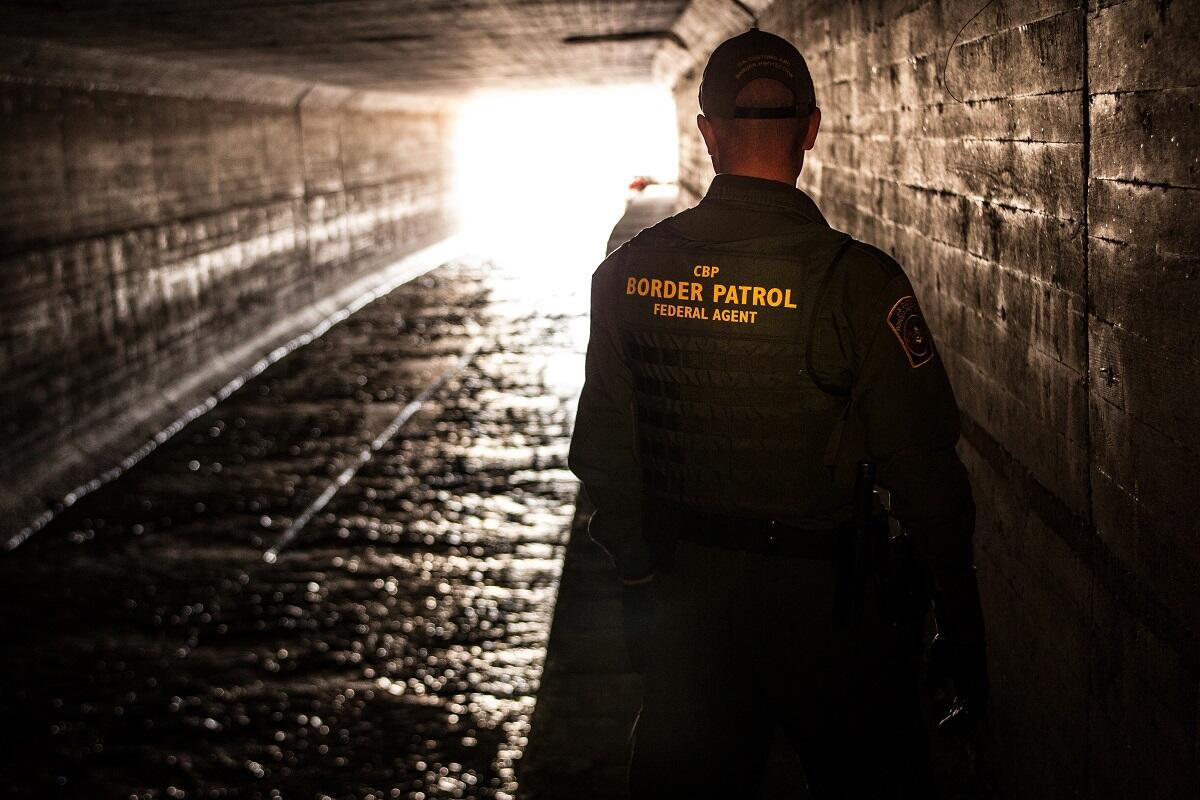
[[54, 63], [102, 452]]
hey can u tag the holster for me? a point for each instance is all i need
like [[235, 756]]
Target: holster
[[881, 597]]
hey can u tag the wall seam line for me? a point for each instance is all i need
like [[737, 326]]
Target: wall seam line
[[1086, 156]]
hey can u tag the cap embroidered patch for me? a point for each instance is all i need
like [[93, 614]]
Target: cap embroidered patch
[[906, 322]]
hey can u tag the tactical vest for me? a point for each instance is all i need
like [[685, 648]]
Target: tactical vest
[[729, 419]]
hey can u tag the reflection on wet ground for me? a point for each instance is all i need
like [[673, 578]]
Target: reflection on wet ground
[[392, 649]]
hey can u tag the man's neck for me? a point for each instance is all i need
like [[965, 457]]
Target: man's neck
[[766, 173]]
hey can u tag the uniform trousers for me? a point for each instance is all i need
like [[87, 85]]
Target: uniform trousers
[[748, 646]]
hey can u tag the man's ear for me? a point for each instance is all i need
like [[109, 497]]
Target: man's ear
[[706, 130], [814, 125], [710, 140]]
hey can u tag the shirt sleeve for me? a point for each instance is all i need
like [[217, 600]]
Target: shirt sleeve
[[603, 451], [907, 412]]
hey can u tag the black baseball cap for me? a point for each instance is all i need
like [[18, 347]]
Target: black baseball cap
[[747, 57]]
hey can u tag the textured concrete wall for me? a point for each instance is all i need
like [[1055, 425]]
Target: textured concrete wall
[[1048, 224], [145, 236], [431, 47]]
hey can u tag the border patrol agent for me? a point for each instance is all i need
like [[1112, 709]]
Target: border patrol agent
[[744, 357]]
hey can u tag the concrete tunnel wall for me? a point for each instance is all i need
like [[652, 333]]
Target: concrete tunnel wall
[[154, 218], [1048, 224], [162, 229]]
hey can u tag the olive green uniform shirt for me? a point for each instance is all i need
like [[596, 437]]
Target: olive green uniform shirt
[[869, 342]]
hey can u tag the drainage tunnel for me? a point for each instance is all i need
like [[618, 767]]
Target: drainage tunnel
[[293, 307]]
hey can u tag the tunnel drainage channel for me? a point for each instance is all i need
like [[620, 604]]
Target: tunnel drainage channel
[[271, 555], [361, 294]]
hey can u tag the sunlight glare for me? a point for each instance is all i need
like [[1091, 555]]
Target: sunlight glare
[[542, 176]]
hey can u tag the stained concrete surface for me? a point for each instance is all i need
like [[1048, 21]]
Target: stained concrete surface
[[1044, 221], [430, 47], [153, 246], [394, 647]]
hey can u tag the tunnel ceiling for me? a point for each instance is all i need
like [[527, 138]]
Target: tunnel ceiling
[[414, 46]]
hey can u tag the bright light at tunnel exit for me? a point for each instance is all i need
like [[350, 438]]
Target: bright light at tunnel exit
[[542, 176]]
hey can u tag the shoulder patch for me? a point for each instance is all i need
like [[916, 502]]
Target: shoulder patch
[[908, 325]]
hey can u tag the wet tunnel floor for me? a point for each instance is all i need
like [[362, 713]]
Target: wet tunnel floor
[[394, 646]]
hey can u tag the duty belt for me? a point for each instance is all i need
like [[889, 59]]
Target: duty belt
[[752, 534]]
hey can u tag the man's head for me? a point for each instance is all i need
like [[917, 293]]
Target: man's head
[[759, 107]]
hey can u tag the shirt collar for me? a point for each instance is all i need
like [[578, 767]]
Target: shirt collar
[[745, 190]]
